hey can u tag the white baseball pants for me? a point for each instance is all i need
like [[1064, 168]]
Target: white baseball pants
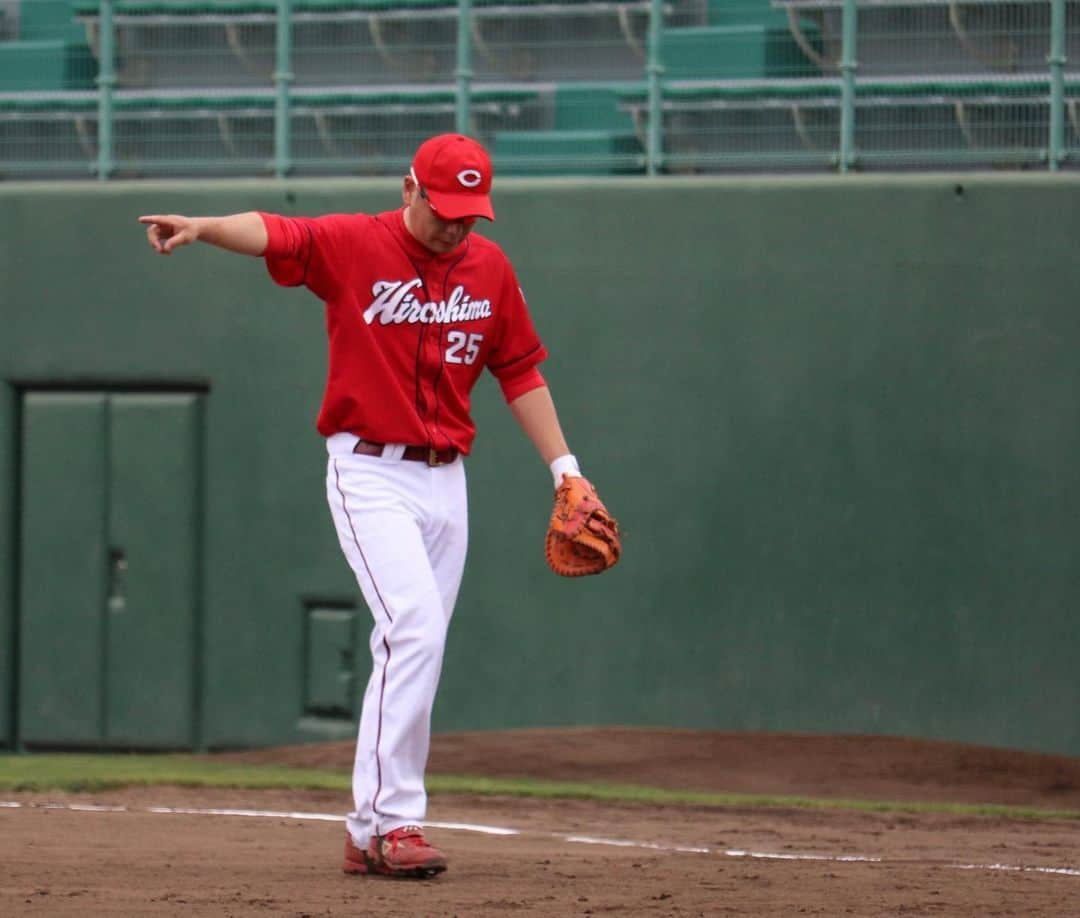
[[403, 527]]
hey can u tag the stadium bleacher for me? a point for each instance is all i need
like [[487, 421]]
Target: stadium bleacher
[[374, 41], [555, 86], [913, 122]]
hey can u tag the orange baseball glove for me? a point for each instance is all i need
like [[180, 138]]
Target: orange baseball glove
[[582, 537]]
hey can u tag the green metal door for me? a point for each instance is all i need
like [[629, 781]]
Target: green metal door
[[63, 549], [108, 583]]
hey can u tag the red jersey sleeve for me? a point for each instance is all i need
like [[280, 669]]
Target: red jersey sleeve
[[515, 386], [312, 251], [518, 349]]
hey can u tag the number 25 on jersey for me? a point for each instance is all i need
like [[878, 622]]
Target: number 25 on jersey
[[463, 348]]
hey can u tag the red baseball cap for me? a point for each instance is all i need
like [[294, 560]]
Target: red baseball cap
[[455, 173]]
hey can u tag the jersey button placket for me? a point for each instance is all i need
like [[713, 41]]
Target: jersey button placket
[[429, 369], [433, 369]]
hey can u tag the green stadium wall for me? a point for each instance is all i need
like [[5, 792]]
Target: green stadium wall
[[837, 418]]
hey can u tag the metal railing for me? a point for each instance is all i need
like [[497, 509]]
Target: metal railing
[[656, 86]]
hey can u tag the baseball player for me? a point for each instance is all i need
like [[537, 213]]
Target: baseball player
[[417, 305]]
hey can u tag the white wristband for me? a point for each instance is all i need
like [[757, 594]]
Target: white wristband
[[564, 465]]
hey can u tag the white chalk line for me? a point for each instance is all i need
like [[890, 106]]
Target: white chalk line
[[504, 831]]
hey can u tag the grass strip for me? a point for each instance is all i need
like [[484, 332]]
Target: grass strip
[[82, 772], [75, 773], [631, 793]]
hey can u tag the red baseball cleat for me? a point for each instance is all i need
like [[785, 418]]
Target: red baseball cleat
[[401, 853]]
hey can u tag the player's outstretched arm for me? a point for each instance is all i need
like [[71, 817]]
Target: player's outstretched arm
[[243, 233]]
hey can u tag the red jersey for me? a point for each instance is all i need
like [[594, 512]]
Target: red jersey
[[410, 331]]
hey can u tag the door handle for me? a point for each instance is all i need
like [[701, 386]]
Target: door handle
[[118, 566]]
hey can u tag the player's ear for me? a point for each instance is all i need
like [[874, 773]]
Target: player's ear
[[408, 190]]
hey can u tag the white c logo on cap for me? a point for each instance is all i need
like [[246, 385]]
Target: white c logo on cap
[[470, 178]]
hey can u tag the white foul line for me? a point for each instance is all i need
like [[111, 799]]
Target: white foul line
[[501, 830]]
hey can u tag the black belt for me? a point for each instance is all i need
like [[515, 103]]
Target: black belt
[[412, 453]]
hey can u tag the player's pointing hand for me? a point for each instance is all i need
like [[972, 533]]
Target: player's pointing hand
[[169, 231]]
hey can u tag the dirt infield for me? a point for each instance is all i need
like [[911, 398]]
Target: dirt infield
[[151, 853]]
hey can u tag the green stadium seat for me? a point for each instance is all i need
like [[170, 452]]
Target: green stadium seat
[[49, 19], [592, 106], [45, 64], [575, 152], [746, 50], [49, 51], [745, 12]]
